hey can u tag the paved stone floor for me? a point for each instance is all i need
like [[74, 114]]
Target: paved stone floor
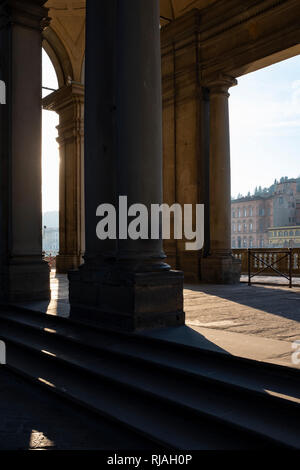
[[259, 322], [265, 310], [268, 308]]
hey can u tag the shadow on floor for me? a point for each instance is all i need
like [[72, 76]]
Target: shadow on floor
[[283, 302]]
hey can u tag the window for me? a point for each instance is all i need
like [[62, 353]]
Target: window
[[251, 227], [233, 227], [250, 242], [233, 214], [244, 226], [261, 211], [239, 213], [245, 243], [233, 243], [239, 227], [250, 211], [245, 212]]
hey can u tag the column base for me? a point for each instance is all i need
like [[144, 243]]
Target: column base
[[66, 263], [220, 270], [25, 280], [127, 301]]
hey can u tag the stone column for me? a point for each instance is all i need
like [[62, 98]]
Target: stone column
[[220, 266], [68, 102], [124, 283], [24, 274], [185, 131]]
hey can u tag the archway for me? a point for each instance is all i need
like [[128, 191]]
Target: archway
[[264, 112], [50, 166]]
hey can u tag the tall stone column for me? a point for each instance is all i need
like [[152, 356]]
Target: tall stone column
[[220, 266], [24, 274], [185, 131], [68, 102], [124, 283]]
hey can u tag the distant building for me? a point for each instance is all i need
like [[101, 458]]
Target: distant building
[[254, 218], [51, 241], [284, 237]]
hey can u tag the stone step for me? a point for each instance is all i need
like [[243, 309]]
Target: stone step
[[261, 378], [153, 418], [257, 412]]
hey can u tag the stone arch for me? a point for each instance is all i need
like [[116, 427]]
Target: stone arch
[[59, 57]]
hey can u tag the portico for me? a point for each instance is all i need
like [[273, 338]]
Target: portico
[[199, 60]]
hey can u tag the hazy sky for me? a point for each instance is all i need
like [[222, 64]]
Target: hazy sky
[[50, 155], [264, 127]]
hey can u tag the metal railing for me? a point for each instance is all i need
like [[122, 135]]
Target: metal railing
[[271, 262]]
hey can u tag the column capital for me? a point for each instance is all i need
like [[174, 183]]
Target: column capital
[[29, 13], [64, 97], [221, 84], [68, 103]]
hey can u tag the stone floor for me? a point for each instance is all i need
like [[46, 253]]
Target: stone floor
[[258, 322], [265, 310], [268, 308]]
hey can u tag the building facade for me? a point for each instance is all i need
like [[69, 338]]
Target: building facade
[[284, 237], [254, 218], [51, 241]]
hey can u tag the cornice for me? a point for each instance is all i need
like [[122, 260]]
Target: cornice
[[231, 35], [31, 14], [65, 96]]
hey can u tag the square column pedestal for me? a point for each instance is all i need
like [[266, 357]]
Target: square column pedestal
[[24, 280], [220, 270], [126, 300]]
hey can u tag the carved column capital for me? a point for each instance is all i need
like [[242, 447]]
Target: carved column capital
[[29, 13], [221, 84], [64, 97], [68, 103]]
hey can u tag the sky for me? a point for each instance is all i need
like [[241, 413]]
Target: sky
[[50, 154], [265, 126], [264, 130]]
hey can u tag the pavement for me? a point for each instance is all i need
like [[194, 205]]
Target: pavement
[[259, 322]]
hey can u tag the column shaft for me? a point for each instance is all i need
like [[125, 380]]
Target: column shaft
[[220, 266], [23, 273], [220, 177], [139, 116], [124, 283]]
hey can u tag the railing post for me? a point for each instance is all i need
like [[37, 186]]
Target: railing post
[[290, 267], [249, 267]]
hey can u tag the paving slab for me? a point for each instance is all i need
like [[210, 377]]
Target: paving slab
[[259, 322]]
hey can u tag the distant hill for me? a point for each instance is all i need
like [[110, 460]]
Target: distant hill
[[51, 219]]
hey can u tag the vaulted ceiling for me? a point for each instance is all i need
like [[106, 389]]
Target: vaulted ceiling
[[68, 24]]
